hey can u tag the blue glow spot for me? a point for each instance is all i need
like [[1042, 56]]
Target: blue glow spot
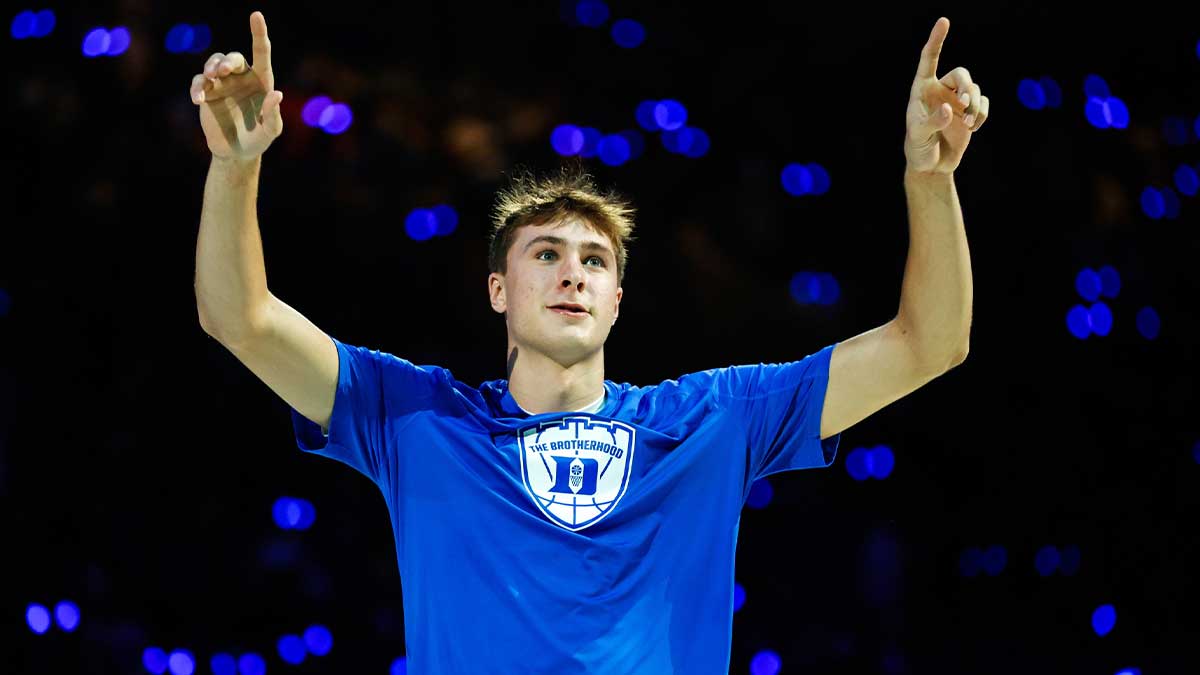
[[154, 660], [66, 613], [765, 662], [970, 563], [1117, 112], [201, 38], [670, 114], [1171, 205], [1097, 113], [1079, 322], [181, 662], [1186, 180], [447, 219], [1152, 203], [1087, 282], [38, 618], [739, 597], [308, 513], [700, 143], [591, 141], [797, 179], [820, 179], [318, 639], [1104, 618], [1031, 94], [313, 107], [628, 33], [591, 13], [994, 560], [1148, 323], [5, 303], [829, 291], [279, 512], [679, 141], [23, 25], [336, 118], [858, 464], [805, 288], [760, 494], [1176, 131], [1129, 671], [1047, 561], [1100, 319], [1094, 86], [96, 42], [637, 144], [645, 116], [1069, 564], [399, 667], [567, 140], [180, 38], [223, 664], [1110, 282], [613, 150], [1196, 126], [45, 23], [252, 664], [882, 462], [291, 649], [1052, 91], [420, 224], [119, 41]]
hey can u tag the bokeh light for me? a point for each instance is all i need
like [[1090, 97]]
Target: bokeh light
[[336, 118], [591, 13], [591, 141], [1100, 319], [567, 140], [1116, 112], [970, 562], [251, 664], [645, 116], [1052, 91], [318, 640], [1047, 560], [154, 660], [23, 25], [181, 662], [1095, 86], [1031, 94], [1196, 452], [1087, 282], [399, 667], [38, 618], [814, 288], [420, 225], [761, 493], [1186, 180], [1148, 323], [765, 662], [613, 150], [880, 462], [313, 108], [223, 664], [447, 219], [1069, 560], [291, 649], [1152, 203], [637, 144], [118, 41], [66, 614], [1104, 618], [1171, 204], [994, 560], [628, 33], [201, 38], [96, 42], [1079, 322], [180, 38], [1110, 282], [739, 597], [670, 114]]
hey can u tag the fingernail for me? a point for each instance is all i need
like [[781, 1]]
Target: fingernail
[[200, 97], [965, 98], [969, 120]]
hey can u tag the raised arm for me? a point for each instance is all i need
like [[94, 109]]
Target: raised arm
[[239, 113]]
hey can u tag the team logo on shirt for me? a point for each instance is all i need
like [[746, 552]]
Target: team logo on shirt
[[576, 468]]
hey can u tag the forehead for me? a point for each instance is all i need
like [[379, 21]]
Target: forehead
[[573, 229]]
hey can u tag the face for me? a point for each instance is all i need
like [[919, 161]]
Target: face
[[560, 263]]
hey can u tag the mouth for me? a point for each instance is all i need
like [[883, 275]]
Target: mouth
[[569, 309]]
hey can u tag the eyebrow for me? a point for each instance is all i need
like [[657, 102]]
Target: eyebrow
[[559, 241]]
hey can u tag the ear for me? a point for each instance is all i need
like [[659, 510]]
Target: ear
[[617, 309], [496, 293]]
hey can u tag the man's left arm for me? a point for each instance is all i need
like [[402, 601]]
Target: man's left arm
[[930, 332]]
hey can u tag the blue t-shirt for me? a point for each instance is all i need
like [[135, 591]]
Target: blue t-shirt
[[569, 542]]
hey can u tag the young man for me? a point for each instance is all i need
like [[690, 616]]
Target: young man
[[557, 521]]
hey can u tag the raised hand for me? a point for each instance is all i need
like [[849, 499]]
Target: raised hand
[[239, 105], [942, 113]]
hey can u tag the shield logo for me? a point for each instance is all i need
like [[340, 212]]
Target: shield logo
[[576, 468]]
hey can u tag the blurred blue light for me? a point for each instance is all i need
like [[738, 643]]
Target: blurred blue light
[[38, 618], [1047, 560], [5, 303], [1148, 323], [318, 639], [567, 140], [829, 291], [1152, 203], [180, 38], [1171, 205], [637, 145], [154, 660], [201, 38], [591, 13], [739, 597], [420, 224], [1176, 131], [252, 664], [447, 219], [1095, 110], [882, 461], [313, 107], [1118, 113], [181, 662], [1196, 452], [970, 563], [399, 667], [820, 179], [765, 662], [670, 114], [994, 560], [1110, 282], [797, 179], [280, 513], [119, 41], [1129, 671], [96, 42], [291, 649], [1079, 322], [308, 513], [336, 118], [1052, 90], [699, 145], [645, 116], [1196, 126], [66, 613], [760, 494], [613, 150], [1100, 319], [857, 464], [1069, 563], [805, 288], [679, 141], [1104, 618], [23, 25], [44, 24], [1186, 180], [223, 664], [1031, 94], [1094, 86], [591, 141], [628, 33], [1087, 282]]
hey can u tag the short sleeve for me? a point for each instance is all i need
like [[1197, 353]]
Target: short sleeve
[[376, 395], [779, 406]]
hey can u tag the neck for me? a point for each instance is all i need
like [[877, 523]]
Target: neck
[[539, 384]]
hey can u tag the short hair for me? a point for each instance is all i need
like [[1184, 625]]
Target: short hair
[[532, 200]]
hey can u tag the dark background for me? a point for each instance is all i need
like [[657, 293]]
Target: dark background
[[139, 460]]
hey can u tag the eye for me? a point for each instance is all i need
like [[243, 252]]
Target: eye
[[597, 259], [539, 255]]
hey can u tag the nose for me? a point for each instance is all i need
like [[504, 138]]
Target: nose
[[572, 274]]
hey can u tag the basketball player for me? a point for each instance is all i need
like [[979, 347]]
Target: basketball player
[[556, 521]]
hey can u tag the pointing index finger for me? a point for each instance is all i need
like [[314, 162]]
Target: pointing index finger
[[262, 45], [933, 49]]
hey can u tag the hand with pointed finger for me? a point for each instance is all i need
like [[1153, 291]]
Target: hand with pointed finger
[[942, 113], [239, 105]]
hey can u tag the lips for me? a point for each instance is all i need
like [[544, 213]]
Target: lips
[[570, 309]]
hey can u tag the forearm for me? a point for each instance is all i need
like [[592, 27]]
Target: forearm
[[231, 278], [936, 293]]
